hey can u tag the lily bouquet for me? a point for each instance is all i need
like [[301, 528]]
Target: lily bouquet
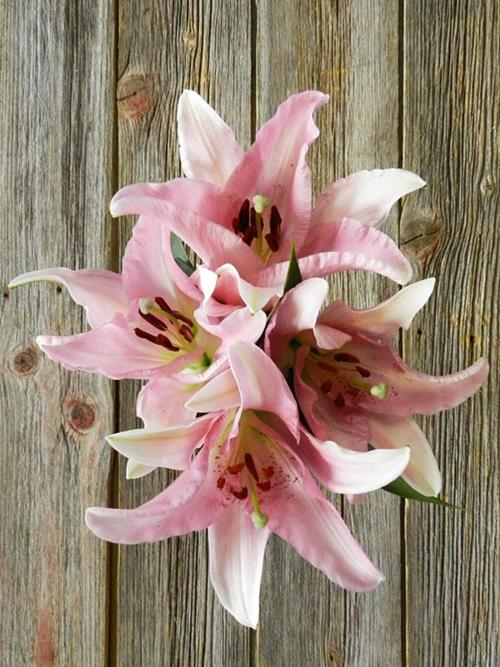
[[256, 390]]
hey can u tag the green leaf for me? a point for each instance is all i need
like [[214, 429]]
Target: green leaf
[[293, 276], [401, 488], [181, 257]]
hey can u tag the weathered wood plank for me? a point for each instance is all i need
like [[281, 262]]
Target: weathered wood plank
[[349, 50], [55, 130], [168, 614], [452, 55]]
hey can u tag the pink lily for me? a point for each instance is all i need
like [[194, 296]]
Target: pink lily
[[351, 385], [144, 320], [246, 481], [241, 212]]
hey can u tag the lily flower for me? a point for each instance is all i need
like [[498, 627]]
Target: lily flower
[[242, 211], [351, 385], [144, 320], [246, 480]]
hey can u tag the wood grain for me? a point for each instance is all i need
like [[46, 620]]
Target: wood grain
[[167, 611], [451, 112], [349, 50], [55, 132]]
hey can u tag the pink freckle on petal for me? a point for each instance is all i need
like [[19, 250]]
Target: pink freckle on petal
[[326, 386], [240, 494], [268, 472], [339, 401], [236, 468], [264, 486], [220, 482]]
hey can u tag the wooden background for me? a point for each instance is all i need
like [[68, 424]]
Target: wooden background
[[88, 101]]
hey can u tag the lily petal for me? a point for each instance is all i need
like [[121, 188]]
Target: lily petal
[[161, 402], [422, 472], [136, 470], [170, 448], [99, 292], [366, 196], [345, 471], [316, 530], [236, 554], [262, 386], [367, 248], [275, 166], [112, 350], [220, 393], [207, 145], [384, 320], [190, 503], [212, 242]]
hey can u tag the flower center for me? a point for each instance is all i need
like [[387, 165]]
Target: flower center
[[175, 331], [342, 375], [258, 229]]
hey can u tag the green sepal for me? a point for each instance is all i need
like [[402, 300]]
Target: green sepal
[[402, 489], [180, 255], [293, 276]]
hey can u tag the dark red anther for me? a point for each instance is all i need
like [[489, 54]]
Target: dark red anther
[[272, 242], [162, 340], [155, 321], [268, 472], [326, 367], [364, 372], [220, 482], [163, 304], [186, 333], [345, 356], [236, 225], [249, 462], [144, 334], [244, 217], [236, 468], [249, 235], [241, 494], [264, 486], [339, 401], [326, 386], [275, 221], [182, 318]]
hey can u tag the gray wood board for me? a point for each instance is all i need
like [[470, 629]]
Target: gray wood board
[[55, 131], [451, 112]]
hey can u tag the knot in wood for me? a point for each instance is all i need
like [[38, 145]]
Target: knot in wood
[[134, 96], [81, 414], [25, 361]]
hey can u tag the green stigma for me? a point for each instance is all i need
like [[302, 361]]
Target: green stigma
[[260, 203], [259, 519], [379, 390]]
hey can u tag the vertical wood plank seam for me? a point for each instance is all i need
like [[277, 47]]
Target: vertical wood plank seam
[[113, 553], [403, 502]]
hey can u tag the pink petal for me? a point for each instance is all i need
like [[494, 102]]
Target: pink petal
[[241, 325], [207, 145], [161, 402], [409, 390], [351, 244], [328, 338], [314, 527], [422, 472], [169, 448], [199, 197], [275, 164], [190, 503], [346, 471], [346, 426], [99, 292], [236, 553], [215, 244], [112, 350], [297, 312], [384, 320], [149, 269], [366, 196], [220, 393], [262, 386]]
